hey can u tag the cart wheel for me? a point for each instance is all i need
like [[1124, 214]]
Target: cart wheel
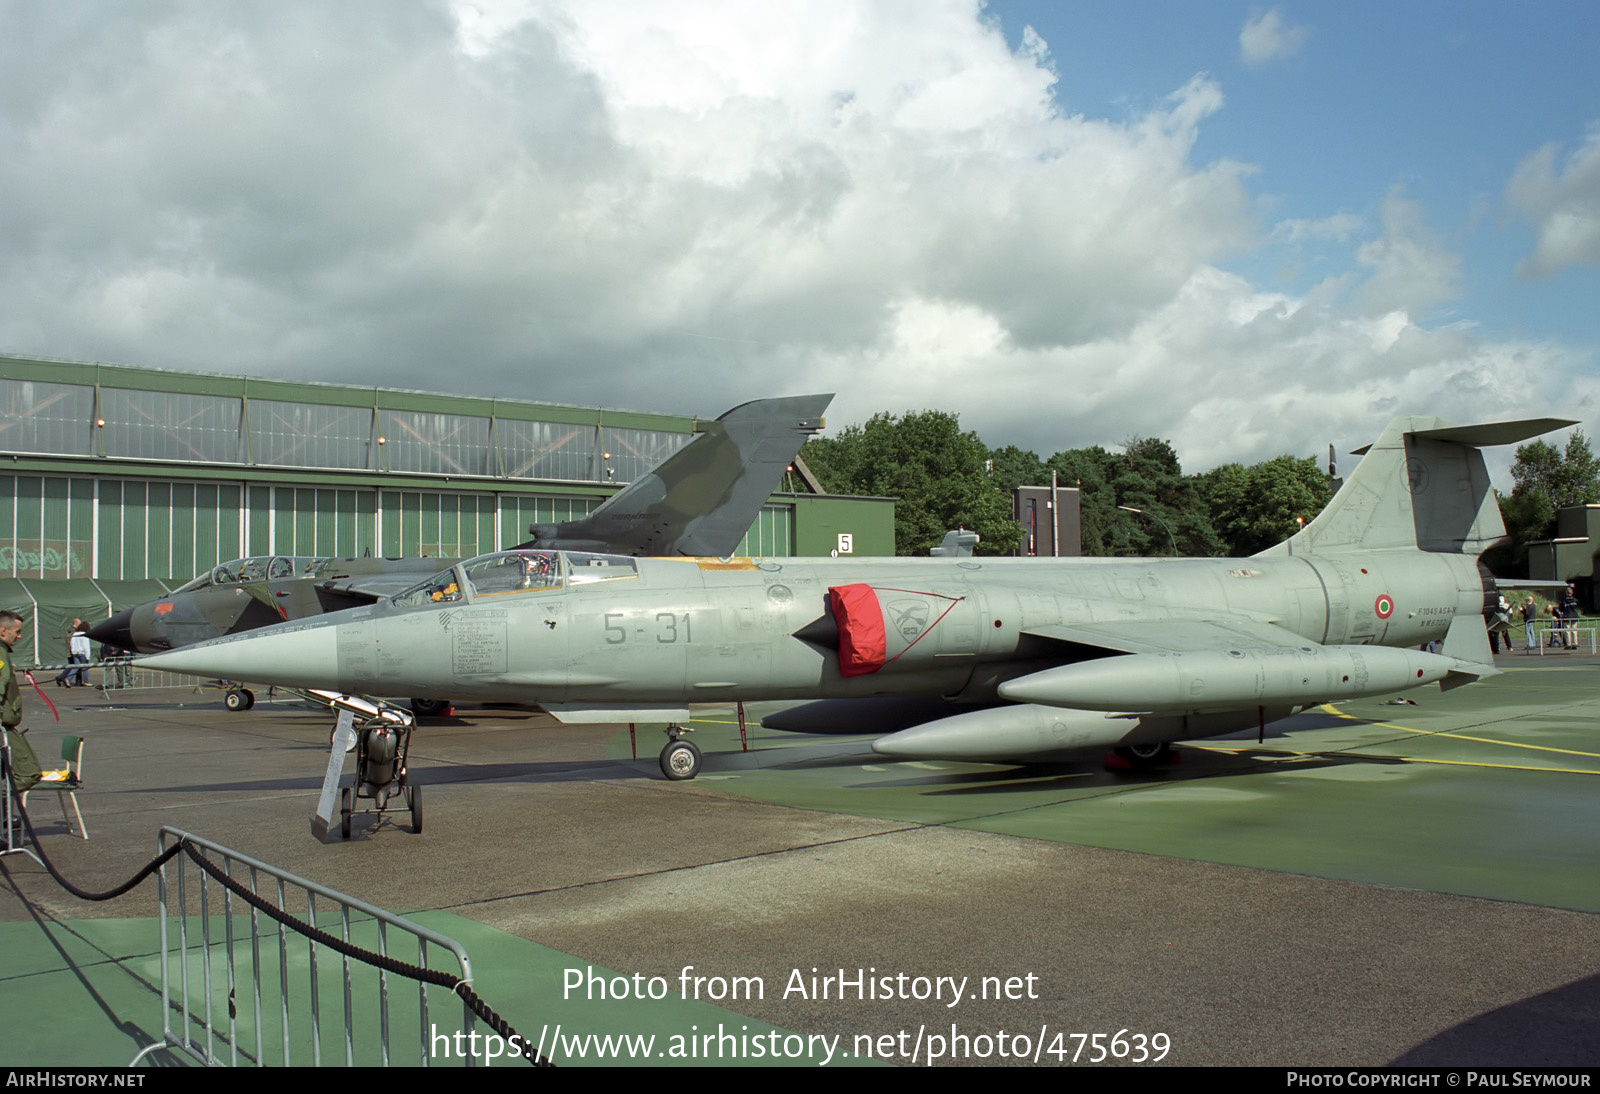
[[344, 812], [414, 793], [249, 697], [234, 700], [680, 760]]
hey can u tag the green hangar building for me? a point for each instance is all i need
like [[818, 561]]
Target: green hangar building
[[117, 484]]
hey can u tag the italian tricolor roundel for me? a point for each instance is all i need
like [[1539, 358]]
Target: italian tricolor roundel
[[1384, 606]]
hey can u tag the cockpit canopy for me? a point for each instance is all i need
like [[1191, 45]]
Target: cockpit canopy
[[510, 572], [245, 571]]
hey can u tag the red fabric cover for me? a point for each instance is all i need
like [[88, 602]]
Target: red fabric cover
[[862, 643]]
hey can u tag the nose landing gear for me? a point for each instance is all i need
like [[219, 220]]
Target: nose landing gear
[[680, 759]]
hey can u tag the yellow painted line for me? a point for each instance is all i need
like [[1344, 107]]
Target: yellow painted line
[[1458, 736], [1506, 767]]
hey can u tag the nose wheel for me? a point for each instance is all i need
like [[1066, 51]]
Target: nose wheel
[[680, 759]]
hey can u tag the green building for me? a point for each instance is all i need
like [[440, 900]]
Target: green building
[[121, 483]]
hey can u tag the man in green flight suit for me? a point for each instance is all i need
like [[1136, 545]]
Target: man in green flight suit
[[24, 764]]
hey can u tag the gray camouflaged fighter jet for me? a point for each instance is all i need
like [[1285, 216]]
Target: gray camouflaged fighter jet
[[700, 501], [966, 659]]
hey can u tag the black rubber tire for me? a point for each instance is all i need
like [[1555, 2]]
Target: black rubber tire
[[429, 708], [680, 760], [1142, 757], [234, 700], [249, 697], [344, 812]]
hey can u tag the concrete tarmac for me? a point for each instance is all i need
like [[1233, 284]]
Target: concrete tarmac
[[547, 848]]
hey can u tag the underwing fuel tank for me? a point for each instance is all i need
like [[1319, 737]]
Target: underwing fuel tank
[[1027, 731], [1209, 680]]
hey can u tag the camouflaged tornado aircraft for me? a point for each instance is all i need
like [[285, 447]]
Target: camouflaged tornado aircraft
[[979, 659], [700, 501]]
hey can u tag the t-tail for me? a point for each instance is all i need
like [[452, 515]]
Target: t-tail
[[704, 498], [1421, 485]]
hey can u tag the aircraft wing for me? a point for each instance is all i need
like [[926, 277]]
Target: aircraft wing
[[1173, 636], [1231, 664]]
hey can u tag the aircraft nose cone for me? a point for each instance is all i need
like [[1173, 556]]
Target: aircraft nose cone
[[116, 631]]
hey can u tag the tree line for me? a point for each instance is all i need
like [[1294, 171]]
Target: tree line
[[948, 478]]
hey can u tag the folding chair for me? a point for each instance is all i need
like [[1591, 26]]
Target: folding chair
[[65, 783]]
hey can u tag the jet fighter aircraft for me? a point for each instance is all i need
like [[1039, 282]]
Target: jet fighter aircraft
[[1020, 659], [699, 501]]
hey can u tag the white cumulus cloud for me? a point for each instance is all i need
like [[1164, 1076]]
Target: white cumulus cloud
[[1562, 199], [1269, 36], [680, 207]]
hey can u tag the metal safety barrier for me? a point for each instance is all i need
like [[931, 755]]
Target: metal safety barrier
[[236, 990], [1545, 631]]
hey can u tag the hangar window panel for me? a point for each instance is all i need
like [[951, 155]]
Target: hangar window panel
[[476, 516], [39, 417], [389, 522], [110, 534], [772, 534], [366, 524], [258, 526], [307, 515], [28, 546], [8, 516], [158, 530], [303, 435], [486, 541], [336, 531], [184, 516], [206, 515], [134, 516], [161, 425], [427, 508], [230, 522], [440, 444], [629, 453], [282, 539], [450, 509], [547, 450]]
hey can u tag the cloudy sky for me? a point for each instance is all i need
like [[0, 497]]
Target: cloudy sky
[[1248, 229]]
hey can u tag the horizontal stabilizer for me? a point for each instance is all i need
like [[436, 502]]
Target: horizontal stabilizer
[[1490, 434]]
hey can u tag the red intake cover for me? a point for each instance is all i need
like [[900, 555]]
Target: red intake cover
[[862, 645]]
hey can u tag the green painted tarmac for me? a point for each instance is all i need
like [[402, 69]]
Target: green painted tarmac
[[101, 978], [1491, 790]]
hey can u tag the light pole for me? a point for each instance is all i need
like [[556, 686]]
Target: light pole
[[1158, 520]]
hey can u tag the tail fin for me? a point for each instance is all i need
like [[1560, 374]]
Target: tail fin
[[702, 499], [1422, 485]]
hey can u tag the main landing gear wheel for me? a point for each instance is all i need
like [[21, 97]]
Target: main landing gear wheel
[[344, 812], [414, 799], [680, 760], [429, 708], [1141, 757], [239, 699]]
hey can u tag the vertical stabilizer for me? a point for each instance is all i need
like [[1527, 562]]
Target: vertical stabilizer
[[1424, 485], [702, 499]]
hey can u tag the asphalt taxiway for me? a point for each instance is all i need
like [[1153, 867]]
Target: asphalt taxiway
[[1384, 884]]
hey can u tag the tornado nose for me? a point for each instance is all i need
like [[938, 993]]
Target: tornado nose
[[116, 631]]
